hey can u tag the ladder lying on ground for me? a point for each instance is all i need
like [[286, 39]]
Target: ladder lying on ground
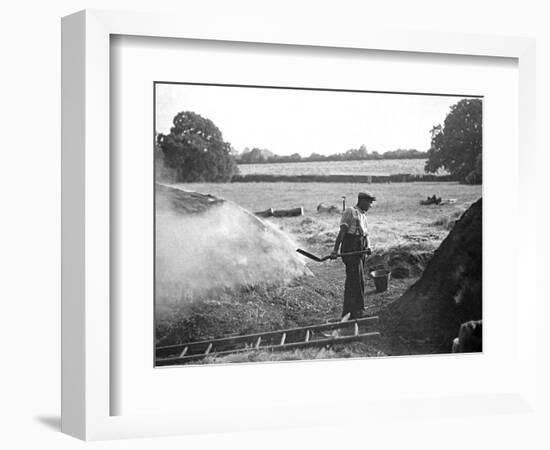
[[326, 334]]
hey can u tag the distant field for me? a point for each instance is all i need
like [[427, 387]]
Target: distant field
[[379, 167]]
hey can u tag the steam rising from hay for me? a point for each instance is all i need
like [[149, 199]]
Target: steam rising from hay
[[204, 244]]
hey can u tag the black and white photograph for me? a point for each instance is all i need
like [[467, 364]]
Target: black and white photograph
[[298, 223]]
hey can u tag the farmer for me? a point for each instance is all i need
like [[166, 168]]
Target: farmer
[[353, 237]]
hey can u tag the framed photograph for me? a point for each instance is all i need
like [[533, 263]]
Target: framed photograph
[[233, 279], [251, 216]]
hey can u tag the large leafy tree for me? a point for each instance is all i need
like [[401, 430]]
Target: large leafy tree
[[196, 150], [456, 146]]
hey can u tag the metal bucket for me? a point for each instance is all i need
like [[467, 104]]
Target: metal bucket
[[381, 279]]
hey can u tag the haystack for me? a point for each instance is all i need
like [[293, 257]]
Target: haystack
[[449, 291]]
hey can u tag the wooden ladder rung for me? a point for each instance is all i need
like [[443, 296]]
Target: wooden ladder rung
[[283, 339], [307, 336], [184, 351], [356, 329], [208, 348], [258, 342]]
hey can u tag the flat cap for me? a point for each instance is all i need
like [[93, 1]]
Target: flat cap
[[366, 196]]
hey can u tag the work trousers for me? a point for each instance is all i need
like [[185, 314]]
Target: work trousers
[[354, 290]]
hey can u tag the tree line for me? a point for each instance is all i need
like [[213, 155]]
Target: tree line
[[264, 156], [195, 151]]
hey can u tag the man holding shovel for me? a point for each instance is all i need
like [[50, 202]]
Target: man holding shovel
[[353, 237]]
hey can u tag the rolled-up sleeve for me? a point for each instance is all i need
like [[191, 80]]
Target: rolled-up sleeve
[[347, 218]]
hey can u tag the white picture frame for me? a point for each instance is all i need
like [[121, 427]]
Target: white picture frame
[[86, 175]]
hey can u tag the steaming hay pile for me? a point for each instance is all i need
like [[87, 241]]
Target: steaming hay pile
[[205, 245], [214, 260]]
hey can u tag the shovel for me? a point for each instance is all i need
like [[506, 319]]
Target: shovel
[[324, 258]]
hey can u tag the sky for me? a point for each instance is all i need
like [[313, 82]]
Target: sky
[[287, 121]]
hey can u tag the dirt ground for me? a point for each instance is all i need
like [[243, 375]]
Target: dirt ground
[[403, 235]]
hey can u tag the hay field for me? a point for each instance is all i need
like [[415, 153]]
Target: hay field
[[402, 232], [368, 167]]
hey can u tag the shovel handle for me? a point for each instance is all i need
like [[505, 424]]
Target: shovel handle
[[359, 252]]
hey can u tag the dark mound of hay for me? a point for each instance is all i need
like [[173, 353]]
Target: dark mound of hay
[[449, 291]]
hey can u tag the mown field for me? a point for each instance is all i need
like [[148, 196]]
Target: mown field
[[374, 167], [403, 233]]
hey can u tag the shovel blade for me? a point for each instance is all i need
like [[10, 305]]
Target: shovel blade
[[309, 255]]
